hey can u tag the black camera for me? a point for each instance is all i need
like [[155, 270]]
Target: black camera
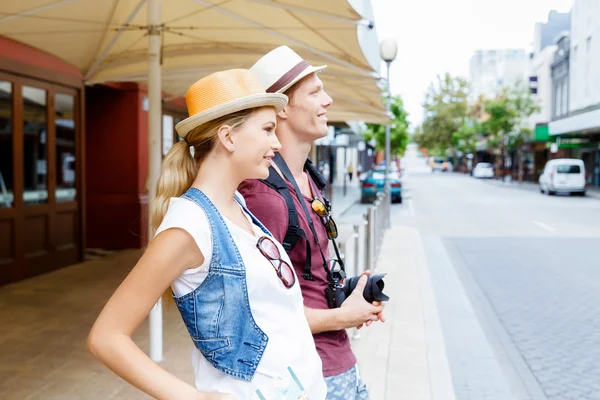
[[340, 288]]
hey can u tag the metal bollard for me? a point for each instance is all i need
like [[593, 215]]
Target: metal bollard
[[365, 242], [367, 258], [372, 238], [356, 238]]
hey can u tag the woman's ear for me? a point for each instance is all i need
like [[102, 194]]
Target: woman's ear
[[225, 138]]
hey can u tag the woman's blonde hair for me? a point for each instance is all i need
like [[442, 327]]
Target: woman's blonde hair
[[180, 167]]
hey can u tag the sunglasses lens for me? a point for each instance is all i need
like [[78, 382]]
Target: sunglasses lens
[[331, 228], [287, 273], [270, 249], [319, 208]]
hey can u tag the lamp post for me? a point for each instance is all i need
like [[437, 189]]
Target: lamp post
[[388, 49]]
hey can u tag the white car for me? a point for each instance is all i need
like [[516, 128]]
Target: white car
[[563, 175], [483, 170]]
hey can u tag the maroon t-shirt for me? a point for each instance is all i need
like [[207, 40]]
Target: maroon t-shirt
[[270, 208]]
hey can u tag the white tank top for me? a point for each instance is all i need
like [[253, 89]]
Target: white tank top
[[278, 311]]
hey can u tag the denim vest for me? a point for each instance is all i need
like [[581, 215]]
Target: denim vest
[[217, 314]]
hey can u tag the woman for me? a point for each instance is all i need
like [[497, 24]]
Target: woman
[[232, 283]]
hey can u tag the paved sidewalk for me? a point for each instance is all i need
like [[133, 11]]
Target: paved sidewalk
[[44, 322], [341, 202], [405, 357]]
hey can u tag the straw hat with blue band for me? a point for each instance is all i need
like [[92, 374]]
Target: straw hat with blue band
[[223, 93]]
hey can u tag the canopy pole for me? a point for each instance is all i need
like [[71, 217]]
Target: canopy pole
[[154, 154]]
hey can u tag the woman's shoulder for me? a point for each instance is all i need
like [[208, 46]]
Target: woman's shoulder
[[184, 213], [181, 205]]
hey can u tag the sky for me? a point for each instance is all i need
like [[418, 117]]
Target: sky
[[438, 36]]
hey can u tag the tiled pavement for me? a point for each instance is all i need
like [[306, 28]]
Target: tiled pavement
[[44, 322]]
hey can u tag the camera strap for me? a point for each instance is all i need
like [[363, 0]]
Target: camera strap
[[280, 162], [335, 247]]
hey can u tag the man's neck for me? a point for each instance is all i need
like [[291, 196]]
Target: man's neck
[[295, 156], [294, 151]]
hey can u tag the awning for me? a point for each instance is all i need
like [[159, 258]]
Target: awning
[[108, 41], [587, 122], [171, 44]]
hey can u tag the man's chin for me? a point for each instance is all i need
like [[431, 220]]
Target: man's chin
[[321, 131]]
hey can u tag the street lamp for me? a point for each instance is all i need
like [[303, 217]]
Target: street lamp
[[388, 49]]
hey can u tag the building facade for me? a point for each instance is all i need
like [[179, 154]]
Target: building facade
[[577, 132], [42, 160], [546, 33], [492, 70], [73, 162]]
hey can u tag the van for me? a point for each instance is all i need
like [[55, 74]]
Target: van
[[563, 175]]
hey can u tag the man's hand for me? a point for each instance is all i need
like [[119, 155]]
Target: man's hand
[[357, 311], [375, 303], [354, 312]]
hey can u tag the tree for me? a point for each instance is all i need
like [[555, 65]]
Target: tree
[[504, 126], [445, 108], [398, 129], [465, 138]]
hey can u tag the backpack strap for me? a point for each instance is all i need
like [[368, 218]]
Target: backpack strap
[[294, 232], [276, 182]]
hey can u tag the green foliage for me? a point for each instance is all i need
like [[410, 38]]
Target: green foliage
[[445, 108], [465, 137], [506, 115], [398, 129]]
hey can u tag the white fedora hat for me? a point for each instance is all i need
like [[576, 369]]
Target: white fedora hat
[[223, 93], [281, 68]]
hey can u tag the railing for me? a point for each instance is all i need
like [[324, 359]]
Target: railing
[[361, 249]]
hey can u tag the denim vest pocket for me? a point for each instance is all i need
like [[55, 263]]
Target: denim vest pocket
[[209, 346], [202, 309]]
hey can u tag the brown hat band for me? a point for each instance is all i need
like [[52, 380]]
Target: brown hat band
[[288, 76]]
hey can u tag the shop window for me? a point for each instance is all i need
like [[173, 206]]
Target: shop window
[[65, 147], [35, 158], [6, 145]]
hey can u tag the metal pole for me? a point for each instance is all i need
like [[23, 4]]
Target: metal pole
[[345, 170], [372, 222], [356, 237], [388, 157], [154, 154], [366, 241]]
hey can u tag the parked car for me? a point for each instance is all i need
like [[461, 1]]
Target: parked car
[[373, 183], [483, 170], [439, 164], [563, 175]]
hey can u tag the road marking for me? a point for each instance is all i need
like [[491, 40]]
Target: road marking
[[544, 226], [411, 208]]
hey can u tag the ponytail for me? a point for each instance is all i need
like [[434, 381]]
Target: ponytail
[[178, 172]]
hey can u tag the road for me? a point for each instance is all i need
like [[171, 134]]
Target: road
[[517, 282]]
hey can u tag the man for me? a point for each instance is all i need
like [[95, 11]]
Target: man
[[299, 124]]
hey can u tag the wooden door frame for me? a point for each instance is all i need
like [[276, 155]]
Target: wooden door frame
[[19, 211]]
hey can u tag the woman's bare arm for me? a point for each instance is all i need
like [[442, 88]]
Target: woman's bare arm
[[168, 255]]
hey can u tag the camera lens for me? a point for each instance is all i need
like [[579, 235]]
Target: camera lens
[[373, 289]]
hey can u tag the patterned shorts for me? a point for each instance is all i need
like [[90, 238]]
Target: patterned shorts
[[346, 386]]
